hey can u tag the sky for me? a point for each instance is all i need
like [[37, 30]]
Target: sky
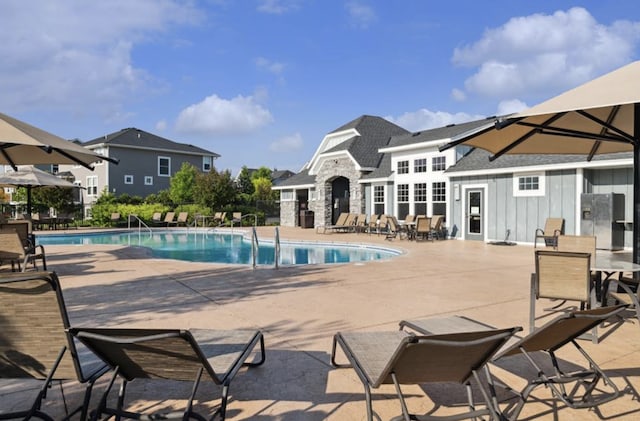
[[261, 82]]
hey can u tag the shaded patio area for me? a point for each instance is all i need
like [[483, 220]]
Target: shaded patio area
[[300, 308]]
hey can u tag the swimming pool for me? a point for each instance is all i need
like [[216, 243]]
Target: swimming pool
[[218, 247]]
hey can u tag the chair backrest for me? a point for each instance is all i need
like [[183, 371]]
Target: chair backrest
[[373, 220], [561, 330], [182, 216], [11, 247], [33, 320], [362, 220], [157, 216], [342, 218], [22, 228], [382, 221], [578, 243], [563, 275], [423, 224], [443, 358], [393, 223], [115, 216], [436, 222], [409, 218], [223, 216], [237, 216], [169, 217], [351, 219], [553, 226]]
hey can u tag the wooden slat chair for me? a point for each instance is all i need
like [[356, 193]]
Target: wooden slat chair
[[34, 343], [562, 276], [553, 227]]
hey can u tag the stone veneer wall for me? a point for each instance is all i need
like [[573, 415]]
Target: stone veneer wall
[[288, 213], [329, 170]]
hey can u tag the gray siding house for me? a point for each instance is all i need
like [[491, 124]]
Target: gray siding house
[[146, 164]]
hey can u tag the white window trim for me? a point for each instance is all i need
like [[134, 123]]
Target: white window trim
[[91, 185], [128, 179], [210, 158], [148, 180], [169, 159], [529, 193], [287, 196]]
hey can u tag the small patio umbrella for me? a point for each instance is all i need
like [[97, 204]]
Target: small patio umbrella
[[599, 117], [22, 144], [30, 177]]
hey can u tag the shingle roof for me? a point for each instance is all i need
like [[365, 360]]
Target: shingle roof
[[478, 159], [384, 169], [135, 137], [300, 179], [375, 133], [446, 132]]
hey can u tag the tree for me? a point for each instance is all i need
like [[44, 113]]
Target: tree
[[245, 186], [262, 172], [262, 188], [182, 184], [214, 189]]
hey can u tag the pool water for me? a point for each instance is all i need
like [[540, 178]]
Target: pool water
[[198, 246]]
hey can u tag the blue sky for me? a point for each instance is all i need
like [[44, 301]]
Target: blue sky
[[261, 82]]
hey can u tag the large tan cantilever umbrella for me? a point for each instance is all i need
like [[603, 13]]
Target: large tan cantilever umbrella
[[30, 177], [24, 144], [599, 117]]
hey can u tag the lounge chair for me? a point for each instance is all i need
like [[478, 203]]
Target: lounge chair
[[553, 227], [627, 293], [12, 250], [339, 225], [565, 384], [373, 223], [156, 219], [170, 218], [34, 343], [399, 358], [383, 225], [236, 218], [33, 252], [115, 219], [361, 223], [184, 355], [564, 276], [182, 220], [394, 229]]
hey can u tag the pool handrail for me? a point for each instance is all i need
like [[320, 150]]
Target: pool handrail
[[254, 247], [276, 248], [140, 223], [255, 219]]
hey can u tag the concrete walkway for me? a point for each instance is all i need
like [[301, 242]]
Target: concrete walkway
[[300, 308]]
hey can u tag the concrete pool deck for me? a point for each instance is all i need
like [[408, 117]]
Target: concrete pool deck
[[299, 309]]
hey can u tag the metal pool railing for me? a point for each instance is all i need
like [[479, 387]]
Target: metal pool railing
[[255, 246], [141, 223]]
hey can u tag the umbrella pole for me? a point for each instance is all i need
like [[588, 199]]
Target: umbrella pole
[[636, 183], [29, 201]]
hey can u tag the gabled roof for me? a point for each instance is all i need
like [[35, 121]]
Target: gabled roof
[[374, 133], [136, 138], [478, 159], [441, 133], [303, 178]]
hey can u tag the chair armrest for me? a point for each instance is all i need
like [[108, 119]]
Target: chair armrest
[[557, 233], [539, 231]]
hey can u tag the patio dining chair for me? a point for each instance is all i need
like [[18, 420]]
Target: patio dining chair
[[553, 227], [423, 228], [561, 276], [171, 354], [400, 358], [13, 251], [34, 343], [32, 252]]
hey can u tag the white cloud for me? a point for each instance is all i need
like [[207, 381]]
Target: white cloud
[[511, 106], [424, 119], [277, 7], [545, 54], [215, 115], [65, 55], [161, 125], [290, 143], [458, 94], [360, 14], [270, 66]]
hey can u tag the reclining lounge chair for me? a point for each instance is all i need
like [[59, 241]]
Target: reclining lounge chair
[[564, 384], [171, 354], [35, 345], [401, 358]]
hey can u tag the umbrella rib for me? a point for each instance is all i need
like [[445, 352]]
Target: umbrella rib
[[559, 131], [454, 143], [607, 125], [8, 158], [67, 155], [535, 129]]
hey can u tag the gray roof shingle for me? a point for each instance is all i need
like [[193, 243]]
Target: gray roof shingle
[[300, 179], [135, 137]]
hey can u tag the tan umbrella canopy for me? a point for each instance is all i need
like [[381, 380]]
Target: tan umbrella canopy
[[30, 177], [599, 117], [24, 144]]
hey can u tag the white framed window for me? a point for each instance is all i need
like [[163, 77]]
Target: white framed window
[[92, 185], [438, 163], [207, 163], [378, 200], [403, 201], [420, 198], [312, 194], [164, 166], [420, 165], [128, 179], [528, 184], [55, 168], [148, 180], [286, 195], [439, 198], [403, 167]]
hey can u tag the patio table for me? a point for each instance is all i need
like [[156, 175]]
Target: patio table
[[610, 264]]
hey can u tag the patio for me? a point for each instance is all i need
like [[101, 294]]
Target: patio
[[300, 308]]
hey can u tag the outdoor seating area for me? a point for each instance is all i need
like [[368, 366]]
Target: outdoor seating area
[[284, 364], [413, 227]]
